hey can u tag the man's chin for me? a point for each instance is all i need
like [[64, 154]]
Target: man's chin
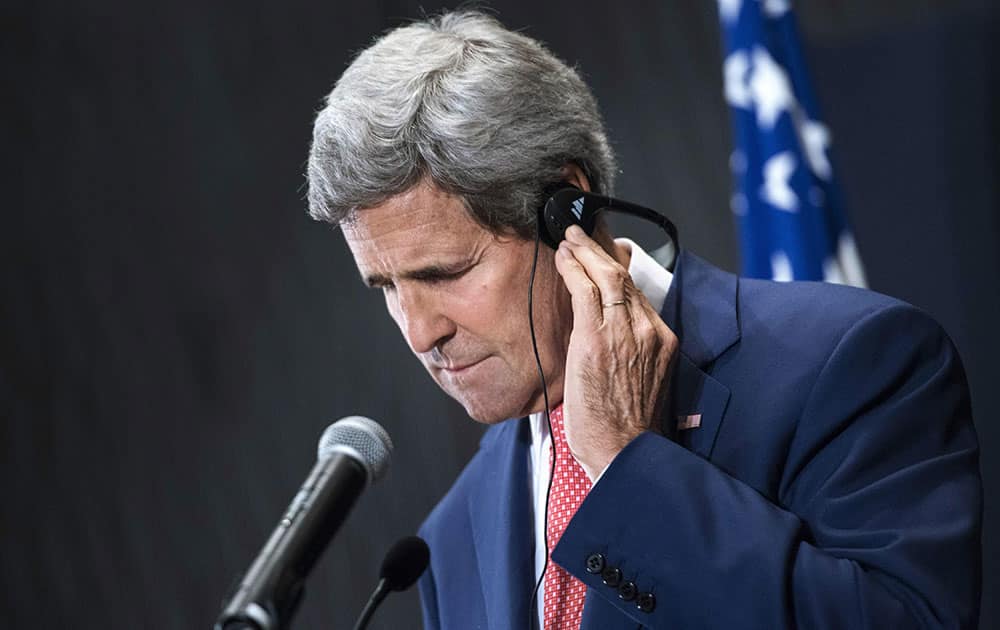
[[487, 418], [487, 414], [490, 404], [491, 412]]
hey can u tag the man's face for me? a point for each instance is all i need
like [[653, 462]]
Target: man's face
[[459, 295]]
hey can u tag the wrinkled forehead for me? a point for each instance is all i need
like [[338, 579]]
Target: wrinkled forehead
[[421, 227], [416, 214]]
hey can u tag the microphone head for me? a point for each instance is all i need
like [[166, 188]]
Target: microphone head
[[362, 439], [404, 563]]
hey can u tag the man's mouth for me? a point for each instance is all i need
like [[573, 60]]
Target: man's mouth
[[458, 368]]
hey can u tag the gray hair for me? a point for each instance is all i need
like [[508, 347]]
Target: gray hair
[[482, 112]]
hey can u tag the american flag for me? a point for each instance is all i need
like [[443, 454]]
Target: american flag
[[791, 222]]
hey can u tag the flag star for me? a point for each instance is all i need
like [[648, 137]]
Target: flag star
[[734, 74], [816, 140], [729, 10], [775, 8], [781, 267], [850, 261], [776, 189], [832, 272], [769, 88]]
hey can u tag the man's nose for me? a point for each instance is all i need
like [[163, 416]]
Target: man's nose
[[422, 321]]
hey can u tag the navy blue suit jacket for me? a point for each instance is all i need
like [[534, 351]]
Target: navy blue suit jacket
[[833, 481]]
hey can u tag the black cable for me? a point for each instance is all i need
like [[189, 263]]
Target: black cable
[[380, 593], [532, 613]]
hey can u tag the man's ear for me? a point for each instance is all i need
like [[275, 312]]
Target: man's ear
[[573, 174]]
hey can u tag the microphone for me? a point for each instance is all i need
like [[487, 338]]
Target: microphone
[[403, 564], [353, 453]]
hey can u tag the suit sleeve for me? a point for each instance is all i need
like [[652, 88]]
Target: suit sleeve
[[876, 523]]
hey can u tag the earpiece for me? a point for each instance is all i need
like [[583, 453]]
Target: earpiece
[[567, 205]]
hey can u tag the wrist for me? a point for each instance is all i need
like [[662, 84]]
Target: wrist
[[595, 462]]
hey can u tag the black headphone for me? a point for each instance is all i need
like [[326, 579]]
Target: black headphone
[[568, 205]]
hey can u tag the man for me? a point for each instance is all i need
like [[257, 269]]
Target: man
[[728, 453]]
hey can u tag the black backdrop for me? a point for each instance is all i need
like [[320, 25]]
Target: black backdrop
[[175, 333]]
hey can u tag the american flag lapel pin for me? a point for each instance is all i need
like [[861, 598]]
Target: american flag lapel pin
[[689, 421]]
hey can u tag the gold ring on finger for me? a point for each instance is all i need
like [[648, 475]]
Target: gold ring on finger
[[615, 303]]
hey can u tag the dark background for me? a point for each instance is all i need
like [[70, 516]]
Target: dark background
[[175, 333]]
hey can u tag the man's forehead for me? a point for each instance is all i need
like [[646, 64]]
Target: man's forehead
[[411, 225], [412, 231], [422, 208]]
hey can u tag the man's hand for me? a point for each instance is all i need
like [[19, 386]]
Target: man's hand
[[619, 356]]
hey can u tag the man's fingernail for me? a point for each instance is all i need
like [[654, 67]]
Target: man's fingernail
[[575, 231]]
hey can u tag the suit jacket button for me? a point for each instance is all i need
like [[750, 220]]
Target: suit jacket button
[[595, 563], [627, 591], [646, 602], [612, 576]]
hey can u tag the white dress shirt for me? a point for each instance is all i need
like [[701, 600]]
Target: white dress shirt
[[653, 280]]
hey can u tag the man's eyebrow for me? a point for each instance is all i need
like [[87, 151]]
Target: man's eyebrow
[[429, 272]]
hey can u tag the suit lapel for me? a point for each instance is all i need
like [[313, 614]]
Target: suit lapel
[[695, 393], [701, 310], [502, 526]]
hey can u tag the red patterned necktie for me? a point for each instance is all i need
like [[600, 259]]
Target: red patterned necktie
[[564, 594]]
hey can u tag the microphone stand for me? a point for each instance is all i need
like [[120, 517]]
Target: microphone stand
[[380, 593]]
